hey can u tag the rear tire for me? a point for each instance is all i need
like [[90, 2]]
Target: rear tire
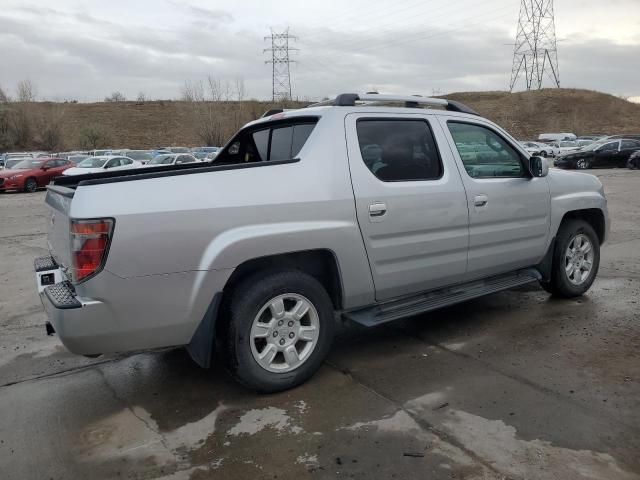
[[30, 185], [265, 315], [572, 274]]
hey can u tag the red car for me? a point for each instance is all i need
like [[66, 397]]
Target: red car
[[32, 173]]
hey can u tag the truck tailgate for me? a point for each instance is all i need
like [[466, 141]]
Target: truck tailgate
[[58, 201]]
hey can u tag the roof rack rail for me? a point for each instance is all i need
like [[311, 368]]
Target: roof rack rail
[[350, 99]]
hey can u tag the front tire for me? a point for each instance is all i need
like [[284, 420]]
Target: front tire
[[576, 259], [30, 185], [583, 164], [280, 329]]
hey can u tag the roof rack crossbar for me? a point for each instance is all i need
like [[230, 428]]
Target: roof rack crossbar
[[350, 99]]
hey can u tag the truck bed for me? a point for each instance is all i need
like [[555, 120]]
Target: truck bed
[[74, 181]]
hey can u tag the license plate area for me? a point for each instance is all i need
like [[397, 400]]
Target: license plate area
[[48, 277]]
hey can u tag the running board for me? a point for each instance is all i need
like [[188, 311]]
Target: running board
[[426, 302]]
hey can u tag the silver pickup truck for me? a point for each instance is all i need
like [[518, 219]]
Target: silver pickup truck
[[368, 208]]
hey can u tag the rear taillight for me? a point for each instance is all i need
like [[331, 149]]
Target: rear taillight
[[89, 244]]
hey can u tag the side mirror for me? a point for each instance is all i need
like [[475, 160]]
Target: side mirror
[[539, 166], [44, 168]]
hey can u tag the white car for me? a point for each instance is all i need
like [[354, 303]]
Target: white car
[[102, 164], [560, 148], [538, 149], [172, 159]]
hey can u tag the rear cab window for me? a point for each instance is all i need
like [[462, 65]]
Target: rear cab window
[[269, 142]]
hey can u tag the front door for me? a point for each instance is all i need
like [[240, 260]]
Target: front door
[[509, 211], [410, 202]]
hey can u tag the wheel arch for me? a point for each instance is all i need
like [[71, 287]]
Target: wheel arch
[[593, 216], [322, 264]]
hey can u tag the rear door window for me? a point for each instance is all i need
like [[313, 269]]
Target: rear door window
[[281, 139], [397, 150]]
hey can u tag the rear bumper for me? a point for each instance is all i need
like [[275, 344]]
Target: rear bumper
[[110, 314]]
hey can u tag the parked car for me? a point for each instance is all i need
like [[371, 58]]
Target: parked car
[[177, 149], [142, 156], [632, 136], [100, 153], [292, 226], [11, 162], [556, 137], [615, 153], [171, 159], [76, 159], [560, 148], [102, 164], [205, 149], [541, 149], [634, 160], [32, 173]]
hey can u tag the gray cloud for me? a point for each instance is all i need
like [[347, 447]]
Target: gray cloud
[[86, 56]]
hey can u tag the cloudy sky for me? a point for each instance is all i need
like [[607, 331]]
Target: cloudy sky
[[85, 49]]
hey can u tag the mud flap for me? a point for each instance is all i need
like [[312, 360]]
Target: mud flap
[[200, 347]]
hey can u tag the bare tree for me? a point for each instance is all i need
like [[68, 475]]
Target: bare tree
[[141, 97], [92, 137], [26, 91], [115, 97], [239, 89], [3, 96], [192, 91], [48, 135]]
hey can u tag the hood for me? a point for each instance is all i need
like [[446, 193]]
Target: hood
[[81, 171], [562, 182]]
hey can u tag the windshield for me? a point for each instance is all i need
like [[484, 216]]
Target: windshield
[[592, 146], [92, 163], [27, 164], [568, 144], [162, 160], [179, 149]]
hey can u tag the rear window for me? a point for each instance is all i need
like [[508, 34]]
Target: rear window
[[268, 142]]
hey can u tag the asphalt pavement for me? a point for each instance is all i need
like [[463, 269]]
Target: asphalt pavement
[[517, 385]]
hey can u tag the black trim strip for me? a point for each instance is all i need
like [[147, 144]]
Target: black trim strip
[[64, 191], [136, 174]]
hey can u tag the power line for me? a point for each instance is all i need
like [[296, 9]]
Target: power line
[[535, 52], [280, 62]]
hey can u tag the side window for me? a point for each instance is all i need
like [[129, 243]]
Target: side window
[[261, 140], [399, 150], [281, 139], [629, 144], [610, 147], [125, 161], [270, 142], [114, 162], [484, 153]]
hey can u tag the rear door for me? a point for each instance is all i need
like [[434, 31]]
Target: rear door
[[509, 211], [410, 202]]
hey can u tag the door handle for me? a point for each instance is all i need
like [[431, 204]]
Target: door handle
[[480, 200], [377, 209]]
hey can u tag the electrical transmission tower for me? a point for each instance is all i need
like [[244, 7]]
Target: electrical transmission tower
[[280, 62], [536, 52]]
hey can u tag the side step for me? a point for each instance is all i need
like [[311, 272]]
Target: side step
[[426, 302]]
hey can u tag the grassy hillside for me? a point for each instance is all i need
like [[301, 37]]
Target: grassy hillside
[[583, 112], [152, 124]]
